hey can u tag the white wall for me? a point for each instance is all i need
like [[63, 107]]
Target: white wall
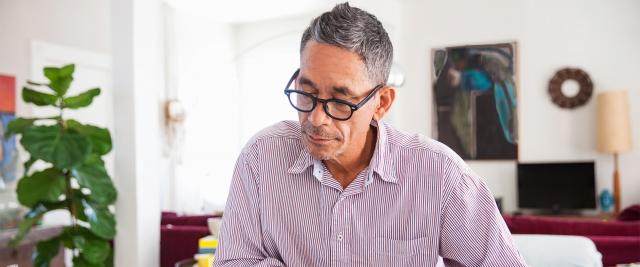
[[84, 25], [267, 55], [139, 89], [206, 84], [601, 37], [77, 24], [81, 24], [230, 79]]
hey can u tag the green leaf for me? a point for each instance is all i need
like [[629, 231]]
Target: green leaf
[[81, 262], [64, 148], [60, 78], [72, 236], [45, 185], [28, 164], [38, 98], [68, 234], [101, 220], [93, 175], [45, 251], [18, 126], [92, 248], [109, 261], [51, 73], [81, 100], [95, 250], [30, 219], [67, 70], [100, 137]]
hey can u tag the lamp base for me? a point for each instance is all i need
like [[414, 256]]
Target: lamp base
[[616, 186]]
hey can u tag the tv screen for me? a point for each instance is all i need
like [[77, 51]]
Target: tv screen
[[557, 186]]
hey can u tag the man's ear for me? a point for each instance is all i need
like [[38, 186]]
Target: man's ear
[[387, 96]]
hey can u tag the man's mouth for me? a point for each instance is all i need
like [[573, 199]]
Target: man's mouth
[[318, 139]]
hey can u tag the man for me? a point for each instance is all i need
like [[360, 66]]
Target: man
[[341, 187]]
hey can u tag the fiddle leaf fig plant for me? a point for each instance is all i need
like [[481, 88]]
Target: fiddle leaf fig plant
[[75, 180]]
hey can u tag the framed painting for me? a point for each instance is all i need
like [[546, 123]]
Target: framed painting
[[475, 100], [8, 150]]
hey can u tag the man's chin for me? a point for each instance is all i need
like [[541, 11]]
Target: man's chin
[[321, 154]]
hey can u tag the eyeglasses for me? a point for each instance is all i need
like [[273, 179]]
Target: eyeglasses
[[336, 108]]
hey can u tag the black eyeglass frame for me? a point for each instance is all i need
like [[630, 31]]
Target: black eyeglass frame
[[324, 102]]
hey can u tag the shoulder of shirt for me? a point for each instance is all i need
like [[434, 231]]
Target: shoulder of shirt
[[424, 146], [290, 130]]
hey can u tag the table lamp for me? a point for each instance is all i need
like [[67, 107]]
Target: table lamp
[[614, 132]]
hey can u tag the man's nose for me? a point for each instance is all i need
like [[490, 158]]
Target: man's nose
[[318, 116]]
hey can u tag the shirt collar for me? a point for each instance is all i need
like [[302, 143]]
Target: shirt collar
[[382, 161], [303, 162], [377, 163]]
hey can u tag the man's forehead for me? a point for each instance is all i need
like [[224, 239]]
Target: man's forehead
[[322, 63]]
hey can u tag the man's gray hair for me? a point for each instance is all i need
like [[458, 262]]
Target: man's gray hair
[[358, 31]]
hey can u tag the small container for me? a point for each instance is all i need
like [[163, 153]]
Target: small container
[[204, 260], [208, 242]]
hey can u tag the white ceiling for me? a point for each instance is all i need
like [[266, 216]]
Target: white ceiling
[[243, 11]]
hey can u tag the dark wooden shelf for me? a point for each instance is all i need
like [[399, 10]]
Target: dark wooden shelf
[[22, 255]]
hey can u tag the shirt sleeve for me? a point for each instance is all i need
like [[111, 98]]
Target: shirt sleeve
[[241, 242], [473, 233]]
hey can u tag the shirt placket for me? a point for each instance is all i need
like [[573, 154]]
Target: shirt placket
[[341, 233], [342, 221]]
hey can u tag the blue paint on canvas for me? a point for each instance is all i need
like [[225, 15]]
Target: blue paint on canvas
[[9, 152]]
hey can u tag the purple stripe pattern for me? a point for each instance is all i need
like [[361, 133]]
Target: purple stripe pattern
[[416, 200]]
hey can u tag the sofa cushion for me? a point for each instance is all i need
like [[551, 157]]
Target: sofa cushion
[[558, 250], [630, 214], [564, 226]]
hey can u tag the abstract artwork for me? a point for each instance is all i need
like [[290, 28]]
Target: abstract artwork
[[8, 150], [475, 101]]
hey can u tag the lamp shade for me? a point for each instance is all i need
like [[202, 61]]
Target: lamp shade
[[614, 129]]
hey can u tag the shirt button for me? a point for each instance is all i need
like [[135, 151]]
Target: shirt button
[[339, 237]]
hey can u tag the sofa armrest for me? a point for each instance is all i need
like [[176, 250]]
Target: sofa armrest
[[179, 242], [193, 220], [618, 249]]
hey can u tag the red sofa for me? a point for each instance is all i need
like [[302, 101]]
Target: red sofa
[[617, 241], [179, 236]]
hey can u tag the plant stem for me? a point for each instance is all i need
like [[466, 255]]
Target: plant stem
[[67, 177], [70, 199], [60, 119]]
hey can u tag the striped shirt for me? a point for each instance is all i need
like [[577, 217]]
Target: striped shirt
[[416, 201]]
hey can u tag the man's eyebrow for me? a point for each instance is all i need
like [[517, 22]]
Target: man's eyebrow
[[343, 90], [305, 81]]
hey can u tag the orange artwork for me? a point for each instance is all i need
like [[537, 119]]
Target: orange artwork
[[7, 94]]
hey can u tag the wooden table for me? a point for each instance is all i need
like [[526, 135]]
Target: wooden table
[[22, 255]]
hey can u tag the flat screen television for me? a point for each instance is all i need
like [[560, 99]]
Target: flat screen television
[[557, 187]]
